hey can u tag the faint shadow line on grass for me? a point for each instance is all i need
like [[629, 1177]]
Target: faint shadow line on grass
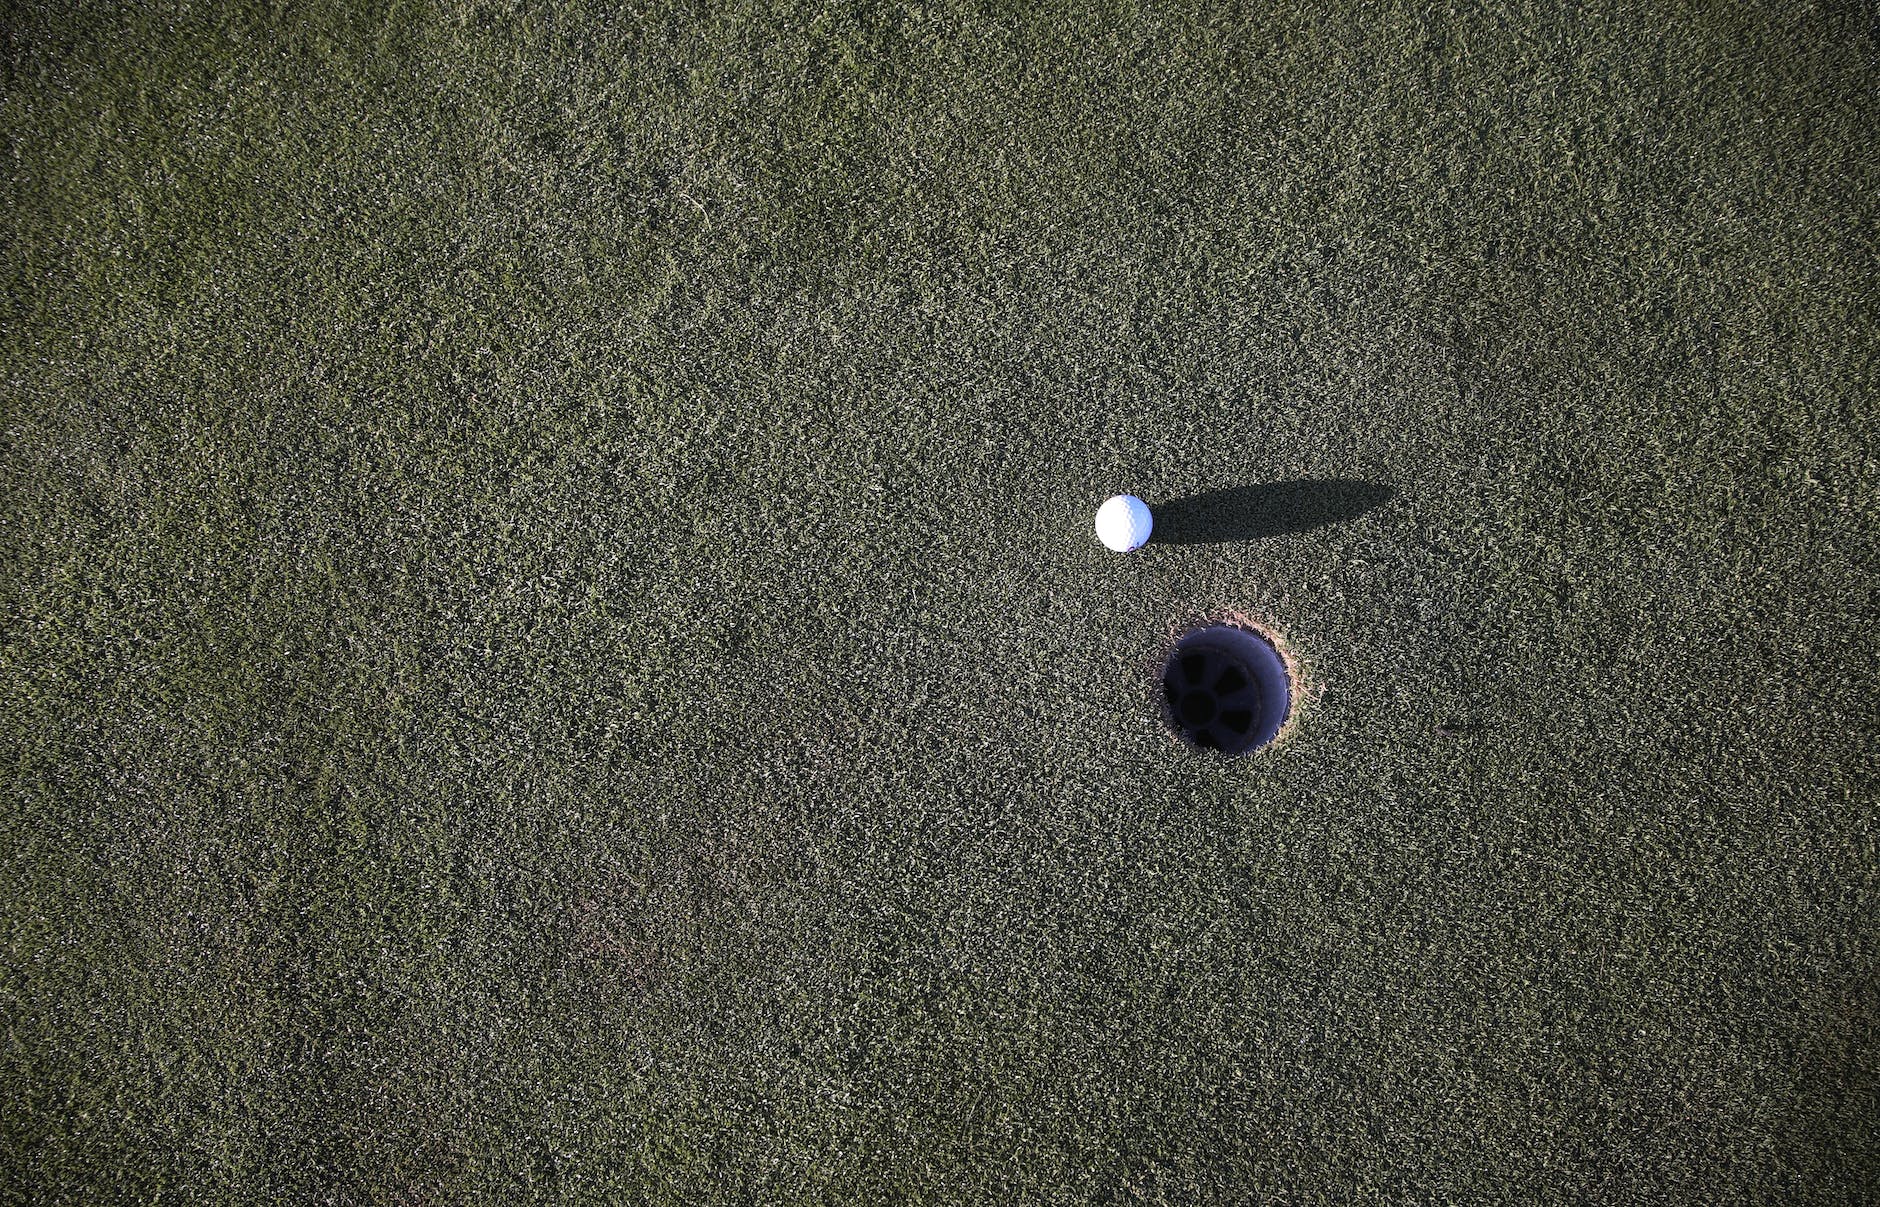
[[1248, 513]]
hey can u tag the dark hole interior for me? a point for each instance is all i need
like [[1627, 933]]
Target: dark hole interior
[[1215, 695], [1198, 708]]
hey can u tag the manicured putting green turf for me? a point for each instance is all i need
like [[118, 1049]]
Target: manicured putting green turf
[[554, 647]]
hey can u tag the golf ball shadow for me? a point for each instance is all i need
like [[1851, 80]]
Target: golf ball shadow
[[1226, 688]]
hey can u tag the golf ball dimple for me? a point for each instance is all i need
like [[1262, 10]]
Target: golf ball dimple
[[1124, 523]]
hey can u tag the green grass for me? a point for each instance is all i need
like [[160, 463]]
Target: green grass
[[553, 648]]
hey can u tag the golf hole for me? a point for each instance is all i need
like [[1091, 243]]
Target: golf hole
[[1225, 688]]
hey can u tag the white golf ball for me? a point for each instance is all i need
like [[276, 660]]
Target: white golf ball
[[1124, 522]]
